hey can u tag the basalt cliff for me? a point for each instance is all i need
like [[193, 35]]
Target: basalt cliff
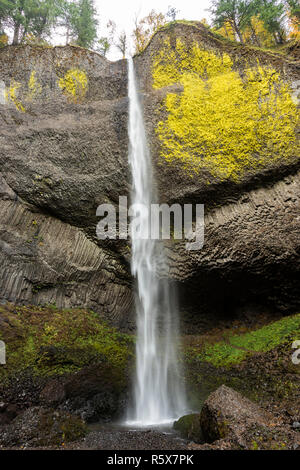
[[222, 126]]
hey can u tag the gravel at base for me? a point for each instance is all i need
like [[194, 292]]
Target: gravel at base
[[133, 440]]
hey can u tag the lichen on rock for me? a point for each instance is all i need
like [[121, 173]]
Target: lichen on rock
[[226, 121], [34, 86]]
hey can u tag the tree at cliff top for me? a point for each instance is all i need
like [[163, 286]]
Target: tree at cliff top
[[260, 22], [293, 8], [121, 44], [103, 45], [28, 16], [256, 33], [172, 13], [145, 28], [272, 13], [85, 23], [68, 12], [236, 13]]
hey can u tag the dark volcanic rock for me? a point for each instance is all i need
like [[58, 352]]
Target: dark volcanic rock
[[59, 160], [8, 411], [58, 264], [65, 155], [226, 413], [189, 427], [94, 393], [42, 427]]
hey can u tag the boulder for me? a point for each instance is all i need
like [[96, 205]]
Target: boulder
[[227, 414], [189, 427], [8, 411]]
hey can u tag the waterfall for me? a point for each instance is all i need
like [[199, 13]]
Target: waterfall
[[159, 395]]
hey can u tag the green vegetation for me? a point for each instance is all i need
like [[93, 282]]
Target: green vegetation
[[259, 22], [236, 348], [84, 23], [262, 23], [50, 341], [33, 20]]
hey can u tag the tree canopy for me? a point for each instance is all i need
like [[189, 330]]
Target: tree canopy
[[258, 22]]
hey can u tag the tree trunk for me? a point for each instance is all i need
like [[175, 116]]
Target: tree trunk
[[280, 36], [225, 29], [16, 34], [277, 41], [254, 35], [237, 30], [23, 35]]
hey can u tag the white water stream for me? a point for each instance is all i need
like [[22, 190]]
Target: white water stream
[[159, 395]]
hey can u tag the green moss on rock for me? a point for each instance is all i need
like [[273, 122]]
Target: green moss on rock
[[52, 341], [189, 427]]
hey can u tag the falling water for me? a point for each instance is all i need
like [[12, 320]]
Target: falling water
[[159, 392]]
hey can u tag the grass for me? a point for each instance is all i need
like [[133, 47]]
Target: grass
[[235, 348]]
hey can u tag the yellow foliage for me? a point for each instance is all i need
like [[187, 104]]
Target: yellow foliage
[[294, 28], [170, 64], [222, 122], [257, 34], [74, 84], [3, 40], [226, 30], [11, 95], [33, 85]]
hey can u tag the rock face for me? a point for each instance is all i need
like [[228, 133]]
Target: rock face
[[189, 427], [39, 426], [92, 393], [59, 160], [226, 413], [64, 151], [249, 256], [45, 260]]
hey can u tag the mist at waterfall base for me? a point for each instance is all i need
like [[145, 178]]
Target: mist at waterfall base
[[159, 393]]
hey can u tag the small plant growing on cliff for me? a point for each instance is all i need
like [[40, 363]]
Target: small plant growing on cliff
[[12, 93], [3, 40], [74, 84], [33, 86]]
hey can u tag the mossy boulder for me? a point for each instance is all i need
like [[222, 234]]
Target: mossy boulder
[[189, 427]]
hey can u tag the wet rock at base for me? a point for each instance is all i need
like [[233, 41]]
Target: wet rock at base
[[189, 427]]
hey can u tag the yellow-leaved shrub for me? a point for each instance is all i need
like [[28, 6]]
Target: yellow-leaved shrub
[[74, 84], [11, 94]]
